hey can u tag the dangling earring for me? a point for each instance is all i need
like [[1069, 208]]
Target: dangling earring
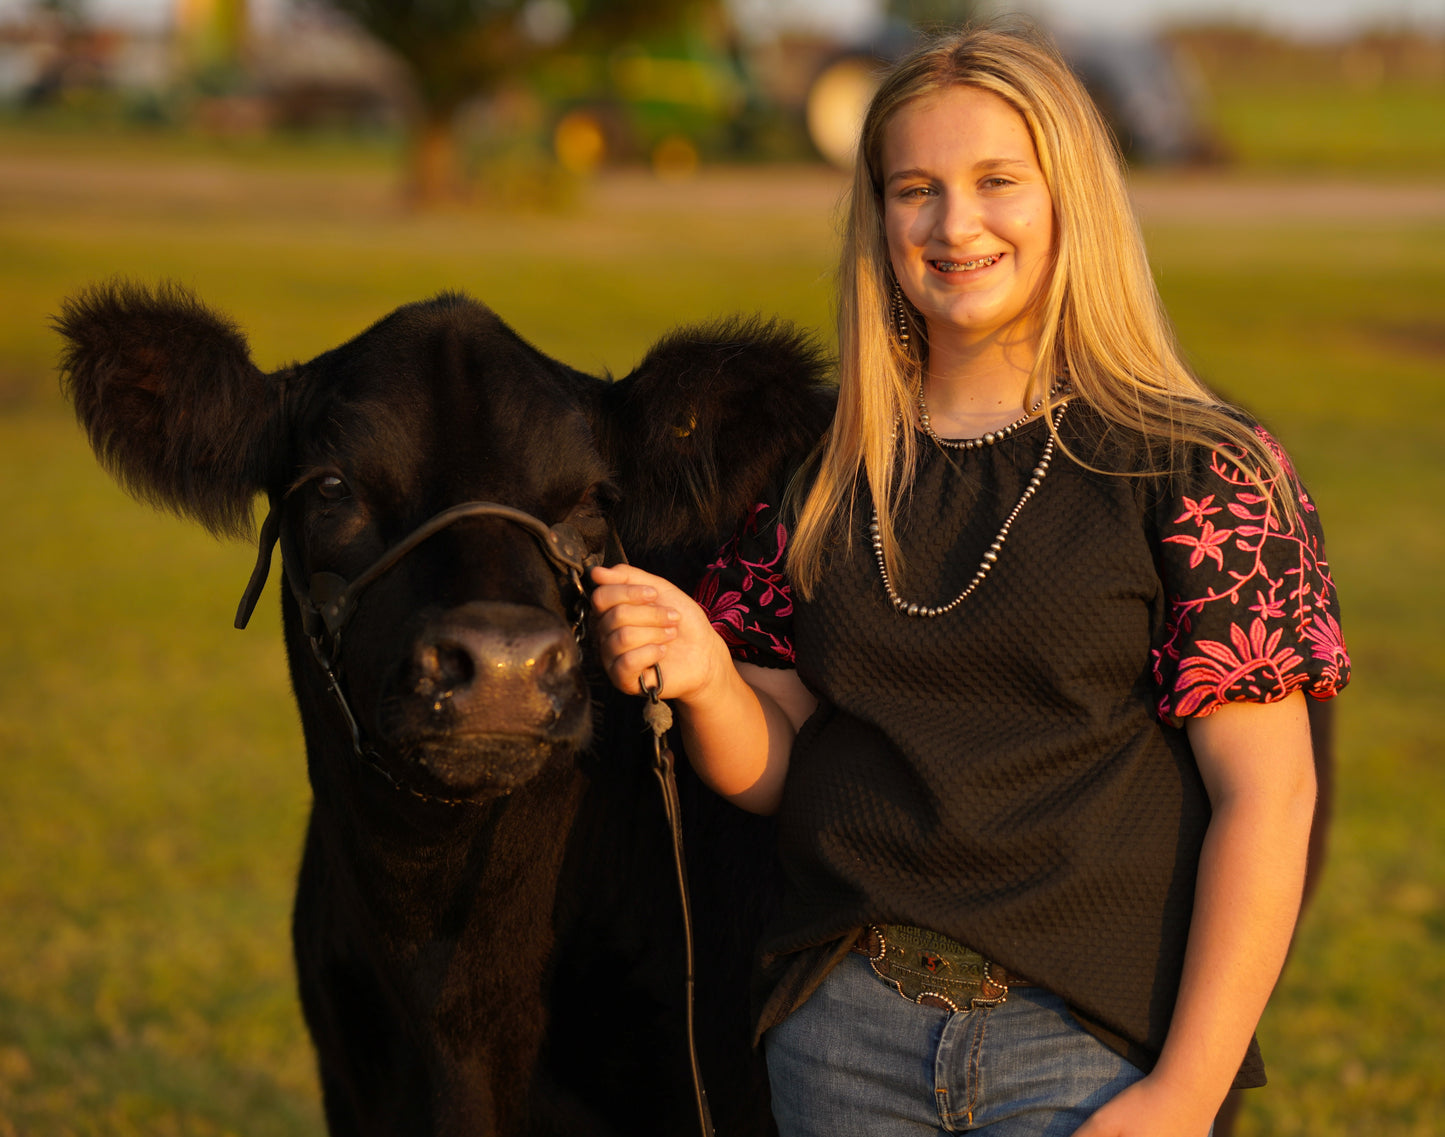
[[900, 317]]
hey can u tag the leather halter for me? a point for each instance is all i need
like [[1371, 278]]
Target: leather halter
[[328, 601]]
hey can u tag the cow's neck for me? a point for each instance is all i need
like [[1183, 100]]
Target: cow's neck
[[418, 856], [449, 915]]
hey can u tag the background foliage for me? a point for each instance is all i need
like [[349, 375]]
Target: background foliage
[[153, 792]]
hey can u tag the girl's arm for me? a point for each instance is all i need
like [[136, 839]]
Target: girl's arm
[[1258, 768], [738, 720]]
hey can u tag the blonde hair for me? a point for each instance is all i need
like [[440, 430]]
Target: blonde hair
[[1102, 323]]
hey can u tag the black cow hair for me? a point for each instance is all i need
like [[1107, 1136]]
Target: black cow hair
[[712, 412], [137, 360]]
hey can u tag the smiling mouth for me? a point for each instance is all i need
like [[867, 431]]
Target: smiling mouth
[[966, 266]]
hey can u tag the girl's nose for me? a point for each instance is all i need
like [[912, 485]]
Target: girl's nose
[[958, 219]]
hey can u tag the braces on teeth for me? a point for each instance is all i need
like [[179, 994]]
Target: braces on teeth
[[967, 265]]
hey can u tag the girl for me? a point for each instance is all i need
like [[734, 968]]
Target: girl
[[1020, 657]]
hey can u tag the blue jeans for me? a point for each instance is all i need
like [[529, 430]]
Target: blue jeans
[[858, 1060]]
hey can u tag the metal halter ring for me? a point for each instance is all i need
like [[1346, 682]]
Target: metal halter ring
[[651, 693]]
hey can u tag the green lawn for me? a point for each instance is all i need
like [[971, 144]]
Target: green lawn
[[1343, 358], [1398, 129], [154, 791]]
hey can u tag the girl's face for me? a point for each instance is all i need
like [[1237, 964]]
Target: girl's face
[[969, 220]]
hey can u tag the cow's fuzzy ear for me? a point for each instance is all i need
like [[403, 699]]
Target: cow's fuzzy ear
[[708, 418], [173, 405]]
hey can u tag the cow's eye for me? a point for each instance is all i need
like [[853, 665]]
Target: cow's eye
[[599, 498], [331, 488]]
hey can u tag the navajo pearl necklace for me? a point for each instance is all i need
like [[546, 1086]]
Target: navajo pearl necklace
[[990, 556], [983, 440]]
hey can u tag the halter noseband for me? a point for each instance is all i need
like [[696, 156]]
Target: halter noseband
[[331, 599]]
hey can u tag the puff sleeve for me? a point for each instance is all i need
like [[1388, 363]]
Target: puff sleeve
[[745, 590], [1251, 611]]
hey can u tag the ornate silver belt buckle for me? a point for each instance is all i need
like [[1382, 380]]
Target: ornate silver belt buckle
[[983, 1000], [929, 982]]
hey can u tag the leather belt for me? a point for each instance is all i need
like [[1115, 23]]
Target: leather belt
[[932, 970]]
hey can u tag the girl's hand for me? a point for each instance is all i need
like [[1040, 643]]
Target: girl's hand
[[737, 729], [640, 621], [1149, 1108]]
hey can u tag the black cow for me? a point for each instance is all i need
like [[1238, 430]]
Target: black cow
[[487, 929]]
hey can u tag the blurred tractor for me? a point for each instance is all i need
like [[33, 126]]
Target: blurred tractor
[[661, 103], [1139, 87]]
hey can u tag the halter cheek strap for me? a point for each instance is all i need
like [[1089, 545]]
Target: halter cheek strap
[[265, 544]]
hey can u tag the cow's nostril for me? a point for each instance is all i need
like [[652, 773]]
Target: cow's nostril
[[549, 661], [444, 666], [456, 666]]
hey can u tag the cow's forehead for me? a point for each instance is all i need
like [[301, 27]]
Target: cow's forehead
[[450, 401]]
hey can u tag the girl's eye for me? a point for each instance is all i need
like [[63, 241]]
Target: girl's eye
[[331, 488]]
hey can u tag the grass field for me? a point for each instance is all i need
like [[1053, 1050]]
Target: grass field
[[154, 794], [1373, 104], [1320, 128]]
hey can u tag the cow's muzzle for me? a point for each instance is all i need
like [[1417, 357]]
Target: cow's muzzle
[[502, 675]]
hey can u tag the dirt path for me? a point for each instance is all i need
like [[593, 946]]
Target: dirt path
[[57, 182], [1159, 196], [1237, 198]]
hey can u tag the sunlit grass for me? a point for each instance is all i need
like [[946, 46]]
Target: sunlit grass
[[1314, 128], [1341, 355], [150, 824]]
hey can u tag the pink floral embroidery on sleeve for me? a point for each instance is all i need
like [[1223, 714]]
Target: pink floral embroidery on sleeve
[[1239, 555], [745, 592]]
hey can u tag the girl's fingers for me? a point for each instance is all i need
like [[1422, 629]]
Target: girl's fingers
[[624, 596], [626, 670], [614, 574], [625, 575], [625, 604], [631, 664], [638, 616], [608, 596], [629, 637]]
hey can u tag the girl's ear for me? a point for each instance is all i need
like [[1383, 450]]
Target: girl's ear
[[173, 405], [708, 418]]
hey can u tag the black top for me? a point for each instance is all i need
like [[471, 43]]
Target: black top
[[1007, 774]]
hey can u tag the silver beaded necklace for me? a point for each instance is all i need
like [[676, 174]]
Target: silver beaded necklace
[[991, 436], [990, 556]]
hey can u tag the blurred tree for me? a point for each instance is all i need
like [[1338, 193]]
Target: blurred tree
[[458, 50], [932, 13], [211, 35], [68, 12]]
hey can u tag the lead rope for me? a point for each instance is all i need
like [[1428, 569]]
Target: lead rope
[[658, 716]]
